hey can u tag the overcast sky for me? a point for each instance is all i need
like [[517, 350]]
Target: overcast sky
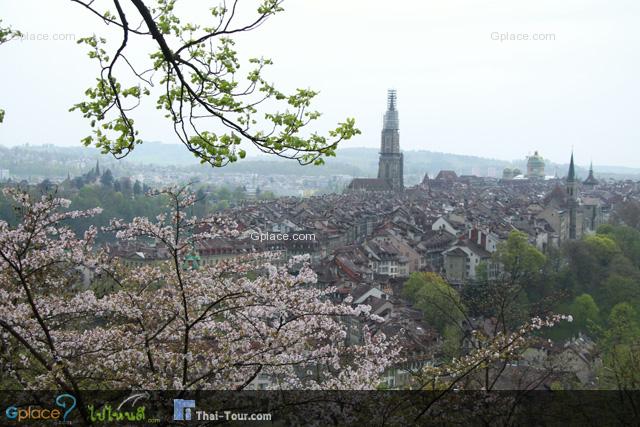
[[459, 90]]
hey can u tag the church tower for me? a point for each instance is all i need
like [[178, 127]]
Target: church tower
[[390, 166], [572, 193], [591, 182]]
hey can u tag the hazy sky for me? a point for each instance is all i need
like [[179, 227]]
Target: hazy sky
[[459, 90]]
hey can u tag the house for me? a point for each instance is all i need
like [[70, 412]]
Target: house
[[462, 260], [444, 225]]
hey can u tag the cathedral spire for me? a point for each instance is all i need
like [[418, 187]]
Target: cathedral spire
[[391, 116], [390, 166]]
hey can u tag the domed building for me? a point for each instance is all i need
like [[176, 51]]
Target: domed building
[[508, 173], [535, 166]]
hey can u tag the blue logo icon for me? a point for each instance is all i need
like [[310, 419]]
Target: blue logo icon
[[69, 407], [182, 409]]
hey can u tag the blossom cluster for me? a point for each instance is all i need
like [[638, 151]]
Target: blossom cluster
[[163, 325]]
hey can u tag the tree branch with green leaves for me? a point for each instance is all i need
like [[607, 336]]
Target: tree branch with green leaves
[[195, 72], [6, 35]]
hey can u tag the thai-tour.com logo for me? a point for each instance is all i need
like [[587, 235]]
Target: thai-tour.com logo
[[58, 411], [182, 409], [185, 410]]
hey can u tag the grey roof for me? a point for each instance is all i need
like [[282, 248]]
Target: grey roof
[[370, 184]]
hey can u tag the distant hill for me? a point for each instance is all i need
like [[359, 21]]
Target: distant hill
[[420, 162], [348, 161], [53, 161]]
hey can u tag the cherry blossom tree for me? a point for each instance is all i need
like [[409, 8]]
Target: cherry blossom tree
[[167, 325]]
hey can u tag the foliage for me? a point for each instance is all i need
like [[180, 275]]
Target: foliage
[[520, 261], [506, 295], [585, 312], [602, 248], [212, 107], [598, 265], [452, 340], [415, 282], [618, 288], [623, 325], [122, 200], [7, 34], [621, 368], [437, 300], [627, 238], [621, 344]]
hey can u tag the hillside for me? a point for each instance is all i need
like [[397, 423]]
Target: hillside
[[29, 161]]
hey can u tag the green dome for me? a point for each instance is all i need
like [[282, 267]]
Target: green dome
[[535, 166]]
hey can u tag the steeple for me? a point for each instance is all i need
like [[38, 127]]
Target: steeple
[[390, 166], [391, 121], [571, 177], [591, 181], [572, 192]]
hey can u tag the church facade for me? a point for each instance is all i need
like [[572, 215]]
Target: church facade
[[570, 213]]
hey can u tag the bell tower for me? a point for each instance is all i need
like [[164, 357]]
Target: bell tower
[[572, 193], [390, 166]]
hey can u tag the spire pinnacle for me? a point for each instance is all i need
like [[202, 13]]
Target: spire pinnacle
[[391, 100]]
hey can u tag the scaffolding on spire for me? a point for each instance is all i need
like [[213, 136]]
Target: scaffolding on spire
[[391, 116], [391, 100]]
